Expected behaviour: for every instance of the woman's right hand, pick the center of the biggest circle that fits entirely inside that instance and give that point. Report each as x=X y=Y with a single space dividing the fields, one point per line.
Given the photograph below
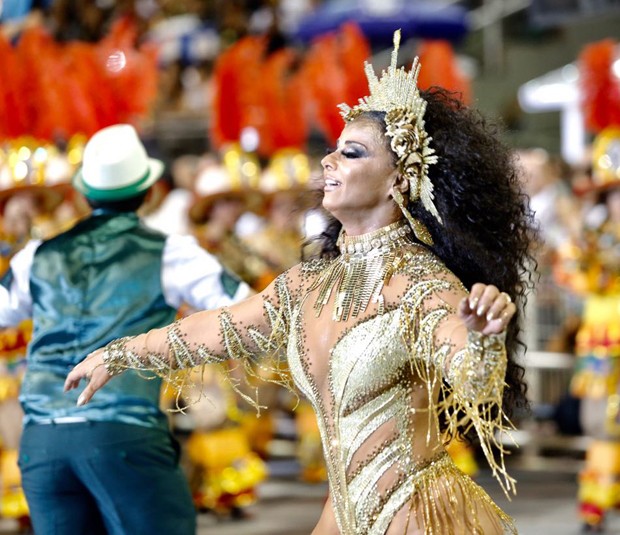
x=486 y=309
x=93 y=370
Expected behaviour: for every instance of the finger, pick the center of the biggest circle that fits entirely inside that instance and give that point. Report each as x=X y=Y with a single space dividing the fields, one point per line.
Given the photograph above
x=96 y=382
x=486 y=300
x=99 y=377
x=464 y=308
x=508 y=313
x=499 y=306
x=506 y=297
x=467 y=314
x=500 y=323
x=86 y=395
x=73 y=379
x=475 y=294
x=81 y=371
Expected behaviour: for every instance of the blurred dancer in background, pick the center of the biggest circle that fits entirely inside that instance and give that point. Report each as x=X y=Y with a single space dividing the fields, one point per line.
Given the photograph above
x=27 y=211
x=222 y=452
x=590 y=266
x=106 y=277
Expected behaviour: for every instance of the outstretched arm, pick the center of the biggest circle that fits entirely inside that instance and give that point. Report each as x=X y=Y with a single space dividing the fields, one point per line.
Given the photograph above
x=242 y=331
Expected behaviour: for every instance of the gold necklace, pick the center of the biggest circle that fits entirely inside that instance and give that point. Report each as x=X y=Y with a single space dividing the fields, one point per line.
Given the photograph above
x=366 y=263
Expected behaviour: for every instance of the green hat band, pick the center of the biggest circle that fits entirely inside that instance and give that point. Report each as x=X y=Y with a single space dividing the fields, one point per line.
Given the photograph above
x=115 y=194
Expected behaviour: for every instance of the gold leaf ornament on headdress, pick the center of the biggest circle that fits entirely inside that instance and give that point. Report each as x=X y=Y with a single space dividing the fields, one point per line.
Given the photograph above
x=396 y=93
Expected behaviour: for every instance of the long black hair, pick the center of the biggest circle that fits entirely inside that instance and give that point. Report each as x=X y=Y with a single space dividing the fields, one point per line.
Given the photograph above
x=487 y=228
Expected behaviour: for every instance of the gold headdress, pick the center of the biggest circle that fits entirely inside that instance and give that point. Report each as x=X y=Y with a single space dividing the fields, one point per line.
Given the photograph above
x=397 y=94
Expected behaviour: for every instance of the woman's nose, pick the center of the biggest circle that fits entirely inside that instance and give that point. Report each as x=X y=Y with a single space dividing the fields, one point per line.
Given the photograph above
x=327 y=161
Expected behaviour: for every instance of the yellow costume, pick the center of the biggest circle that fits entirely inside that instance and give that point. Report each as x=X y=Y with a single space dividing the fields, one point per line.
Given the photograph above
x=597 y=370
x=591 y=266
x=221 y=459
x=224 y=470
x=226 y=463
x=13 y=343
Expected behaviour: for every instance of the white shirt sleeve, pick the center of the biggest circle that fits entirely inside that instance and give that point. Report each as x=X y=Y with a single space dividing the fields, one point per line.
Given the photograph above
x=192 y=275
x=15 y=298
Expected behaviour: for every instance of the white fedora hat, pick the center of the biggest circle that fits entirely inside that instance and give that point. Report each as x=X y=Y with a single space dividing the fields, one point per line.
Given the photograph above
x=115 y=165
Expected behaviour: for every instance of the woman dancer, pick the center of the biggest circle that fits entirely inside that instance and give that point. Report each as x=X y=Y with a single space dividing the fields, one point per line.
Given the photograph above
x=398 y=334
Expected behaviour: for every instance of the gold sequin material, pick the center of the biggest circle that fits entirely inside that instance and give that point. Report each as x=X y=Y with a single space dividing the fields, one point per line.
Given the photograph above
x=357 y=276
x=374 y=378
x=116 y=357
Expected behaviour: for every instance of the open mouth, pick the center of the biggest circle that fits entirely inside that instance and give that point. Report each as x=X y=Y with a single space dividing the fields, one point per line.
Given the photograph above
x=331 y=184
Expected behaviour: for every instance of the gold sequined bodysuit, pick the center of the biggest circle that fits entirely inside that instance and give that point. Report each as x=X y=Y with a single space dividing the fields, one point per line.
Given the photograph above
x=373 y=341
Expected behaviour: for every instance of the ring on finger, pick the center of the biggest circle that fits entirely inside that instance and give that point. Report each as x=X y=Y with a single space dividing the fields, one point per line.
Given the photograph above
x=507 y=297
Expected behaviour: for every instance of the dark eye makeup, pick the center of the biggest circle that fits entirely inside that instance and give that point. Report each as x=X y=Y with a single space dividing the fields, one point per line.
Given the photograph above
x=352 y=153
x=347 y=151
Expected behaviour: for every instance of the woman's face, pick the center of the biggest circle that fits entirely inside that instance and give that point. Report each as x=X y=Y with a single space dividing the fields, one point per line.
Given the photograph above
x=20 y=212
x=360 y=173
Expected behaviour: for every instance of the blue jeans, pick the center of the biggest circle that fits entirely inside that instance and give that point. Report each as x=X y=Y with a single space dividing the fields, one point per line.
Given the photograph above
x=104 y=478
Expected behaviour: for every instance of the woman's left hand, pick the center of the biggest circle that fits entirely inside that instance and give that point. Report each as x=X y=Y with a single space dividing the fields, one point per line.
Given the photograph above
x=486 y=309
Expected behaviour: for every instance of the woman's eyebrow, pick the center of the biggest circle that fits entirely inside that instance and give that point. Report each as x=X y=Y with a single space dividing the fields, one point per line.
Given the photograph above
x=353 y=142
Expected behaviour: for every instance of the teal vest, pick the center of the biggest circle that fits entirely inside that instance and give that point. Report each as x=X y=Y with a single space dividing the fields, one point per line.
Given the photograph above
x=99 y=281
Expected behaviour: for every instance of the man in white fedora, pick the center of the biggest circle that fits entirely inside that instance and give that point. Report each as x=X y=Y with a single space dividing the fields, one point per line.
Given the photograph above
x=110 y=466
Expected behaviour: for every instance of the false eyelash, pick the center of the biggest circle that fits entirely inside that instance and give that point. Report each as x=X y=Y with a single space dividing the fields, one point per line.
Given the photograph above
x=329 y=150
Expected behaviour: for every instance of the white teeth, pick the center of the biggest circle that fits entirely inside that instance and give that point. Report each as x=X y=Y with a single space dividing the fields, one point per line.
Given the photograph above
x=330 y=182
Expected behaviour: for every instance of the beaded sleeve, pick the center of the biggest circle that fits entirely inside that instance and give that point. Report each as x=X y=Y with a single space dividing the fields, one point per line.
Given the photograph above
x=469 y=373
x=246 y=348
x=476 y=375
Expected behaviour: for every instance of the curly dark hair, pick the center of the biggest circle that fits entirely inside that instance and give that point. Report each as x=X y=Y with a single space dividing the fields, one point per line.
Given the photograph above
x=487 y=228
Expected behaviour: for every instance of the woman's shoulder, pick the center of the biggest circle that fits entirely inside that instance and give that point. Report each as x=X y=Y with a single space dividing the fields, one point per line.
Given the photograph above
x=305 y=268
x=300 y=275
x=424 y=269
x=420 y=262
x=313 y=266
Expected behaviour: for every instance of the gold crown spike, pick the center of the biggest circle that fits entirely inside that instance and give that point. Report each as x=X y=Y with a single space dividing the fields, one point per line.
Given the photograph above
x=396 y=93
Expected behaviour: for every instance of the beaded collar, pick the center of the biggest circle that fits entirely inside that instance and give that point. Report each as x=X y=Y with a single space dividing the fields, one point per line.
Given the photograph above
x=358 y=275
x=381 y=239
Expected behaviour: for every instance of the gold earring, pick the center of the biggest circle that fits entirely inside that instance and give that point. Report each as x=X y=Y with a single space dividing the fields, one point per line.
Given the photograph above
x=419 y=229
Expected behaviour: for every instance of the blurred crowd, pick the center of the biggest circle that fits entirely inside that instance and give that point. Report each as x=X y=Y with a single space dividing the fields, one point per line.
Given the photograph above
x=257 y=210
x=575 y=308
x=189 y=35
